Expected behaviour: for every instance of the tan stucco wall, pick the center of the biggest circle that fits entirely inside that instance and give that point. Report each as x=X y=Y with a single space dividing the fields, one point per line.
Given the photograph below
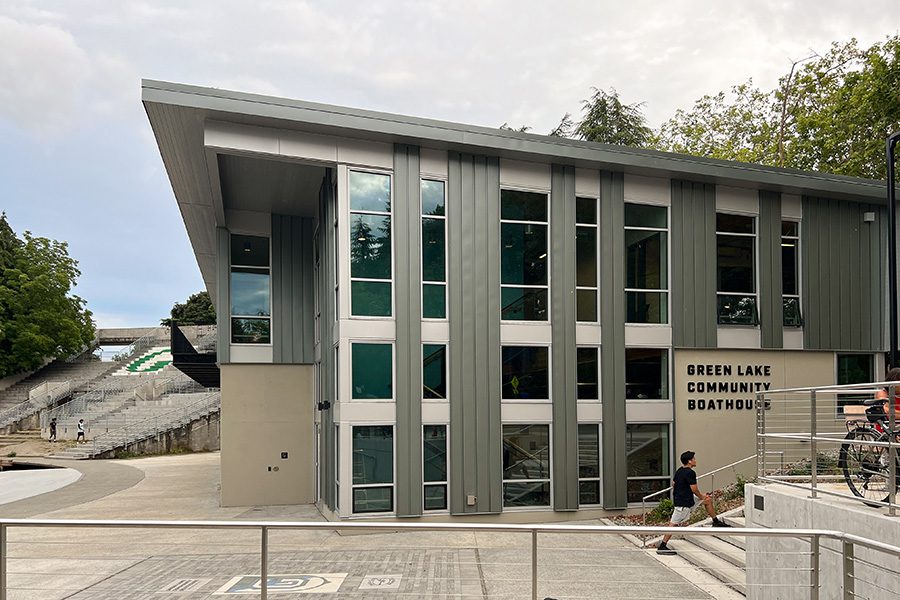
x=724 y=435
x=267 y=410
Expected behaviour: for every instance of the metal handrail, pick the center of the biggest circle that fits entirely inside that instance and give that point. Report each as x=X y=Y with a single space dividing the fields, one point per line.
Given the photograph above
x=848 y=542
x=35 y=402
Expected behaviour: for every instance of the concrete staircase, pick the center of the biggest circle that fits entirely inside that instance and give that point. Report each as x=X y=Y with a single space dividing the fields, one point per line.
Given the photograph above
x=20 y=437
x=82 y=371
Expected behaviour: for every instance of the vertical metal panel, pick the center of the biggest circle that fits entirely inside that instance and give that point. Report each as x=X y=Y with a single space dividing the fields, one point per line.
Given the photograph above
x=771 y=311
x=843 y=276
x=292 y=292
x=564 y=360
x=612 y=318
x=694 y=264
x=223 y=300
x=473 y=234
x=408 y=300
x=326 y=340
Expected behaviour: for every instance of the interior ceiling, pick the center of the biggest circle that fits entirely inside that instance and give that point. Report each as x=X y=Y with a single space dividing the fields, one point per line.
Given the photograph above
x=279 y=187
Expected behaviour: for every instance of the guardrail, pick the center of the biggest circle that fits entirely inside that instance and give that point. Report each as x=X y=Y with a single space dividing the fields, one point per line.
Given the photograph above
x=39 y=397
x=155 y=337
x=853 y=584
x=822 y=443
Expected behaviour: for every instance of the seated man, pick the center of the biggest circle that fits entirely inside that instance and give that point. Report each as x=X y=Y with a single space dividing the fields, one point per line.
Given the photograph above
x=687 y=496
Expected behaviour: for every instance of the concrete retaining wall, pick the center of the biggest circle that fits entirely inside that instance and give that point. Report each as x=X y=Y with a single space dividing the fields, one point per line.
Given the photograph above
x=779 y=567
x=198 y=436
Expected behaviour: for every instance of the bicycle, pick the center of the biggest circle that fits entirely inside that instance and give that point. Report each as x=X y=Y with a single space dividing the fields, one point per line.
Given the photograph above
x=866 y=466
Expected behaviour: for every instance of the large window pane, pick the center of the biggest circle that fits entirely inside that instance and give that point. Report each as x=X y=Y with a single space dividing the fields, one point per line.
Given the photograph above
x=434 y=454
x=586 y=210
x=249 y=251
x=588 y=375
x=370 y=246
x=434 y=301
x=373 y=454
x=789 y=269
x=646 y=455
x=646 y=307
x=249 y=292
x=373 y=371
x=370 y=191
x=526 y=493
x=525 y=373
x=645 y=215
x=434 y=371
x=523 y=206
x=250 y=331
x=646 y=373
x=586 y=306
x=640 y=488
x=588 y=451
x=433 y=264
x=734 y=264
x=523 y=304
x=526 y=458
x=523 y=255
x=586 y=256
x=370 y=298
x=645 y=259
x=432 y=197
x=737 y=310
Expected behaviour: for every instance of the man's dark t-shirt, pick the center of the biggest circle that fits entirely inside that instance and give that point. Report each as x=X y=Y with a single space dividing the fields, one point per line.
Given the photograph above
x=684 y=479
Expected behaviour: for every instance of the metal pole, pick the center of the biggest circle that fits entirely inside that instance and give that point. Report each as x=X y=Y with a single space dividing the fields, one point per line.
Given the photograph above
x=847 y=569
x=263 y=564
x=892 y=452
x=2 y=562
x=891 y=144
x=813 y=446
x=814 y=568
x=762 y=428
x=534 y=563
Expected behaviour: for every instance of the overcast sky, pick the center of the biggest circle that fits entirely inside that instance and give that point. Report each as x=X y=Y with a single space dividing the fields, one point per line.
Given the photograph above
x=78 y=161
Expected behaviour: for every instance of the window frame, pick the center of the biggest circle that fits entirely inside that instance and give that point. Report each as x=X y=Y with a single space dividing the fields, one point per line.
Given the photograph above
x=549 y=349
x=668 y=464
x=596 y=227
x=446 y=482
x=599 y=477
x=422 y=281
x=352 y=211
x=668 y=373
x=548 y=479
x=667 y=265
x=392 y=485
x=446 y=346
x=597 y=349
x=547 y=257
x=797 y=273
x=268 y=271
x=373 y=342
x=755 y=253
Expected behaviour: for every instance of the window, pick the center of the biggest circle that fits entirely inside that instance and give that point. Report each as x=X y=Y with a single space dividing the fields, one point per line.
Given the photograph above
x=647 y=459
x=372 y=371
x=790 y=273
x=251 y=312
x=525 y=372
x=526 y=465
x=434 y=371
x=646 y=373
x=854 y=368
x=736 y=269
x=373 y=468
x=523 y=256
x=646 y=263
x=588 y=464
x=586 y=259
x=434 y=467
x=370 y=245
x=588 y=385
x=434 y=250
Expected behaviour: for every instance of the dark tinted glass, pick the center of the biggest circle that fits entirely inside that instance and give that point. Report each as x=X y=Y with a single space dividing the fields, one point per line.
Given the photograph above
x=526 y=494
x=639 y=488
x=249 y=292
x=434 y=453
x=646 y=307
x=250 y=331
x=370 y=246
x=647 y=450
x=433 y=264
x=523 y=304
x=645 y=215
x=249 y=251
x=734 y=223
x=854 y=368
x=737 y=310
x=523 y=206
x=645 y=259
x=791 y=228
x=526 y=452
x=586 y=210
x=588 y=451
x=789 y=267
x=792 y=316
x=734 y=264
x=523 y=254
x=434 y=371
x=524 y=373
x=435 y=497
x=373 y=454
x=588 y=377
x=373 y=499
x=370 y=191
x=434 y=302
x=586 y=256
x=586 y=306
x=373 y=372
x=432 y=197
x=370 y=298
x=646 y=373
x=588 y=492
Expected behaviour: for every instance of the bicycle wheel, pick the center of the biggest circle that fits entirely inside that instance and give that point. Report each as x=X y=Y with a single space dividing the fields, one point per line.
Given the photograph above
x=864 y=466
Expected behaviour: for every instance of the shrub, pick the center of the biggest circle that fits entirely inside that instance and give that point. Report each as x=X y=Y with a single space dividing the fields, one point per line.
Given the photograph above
x=662 y=512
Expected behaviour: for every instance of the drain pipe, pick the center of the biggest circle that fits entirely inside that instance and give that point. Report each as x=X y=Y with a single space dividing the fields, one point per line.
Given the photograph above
x=891 y=145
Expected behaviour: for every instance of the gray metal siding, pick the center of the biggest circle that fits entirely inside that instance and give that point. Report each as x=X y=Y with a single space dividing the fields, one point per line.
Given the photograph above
x=473 y=209
x=326 y=340
x=843 y=269
x=408 y=298
x=771 y=312
x=293 y=305
x=693 y=265
x=223 y=300
x=612 y=353
x=564 y=359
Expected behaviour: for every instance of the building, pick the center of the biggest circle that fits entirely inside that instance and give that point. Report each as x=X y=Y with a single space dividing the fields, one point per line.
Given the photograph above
x=426 y=318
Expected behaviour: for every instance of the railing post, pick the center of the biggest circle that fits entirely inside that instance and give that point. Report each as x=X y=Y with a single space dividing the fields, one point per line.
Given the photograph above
x=814 y=568
x=847 y=569
x=3 y=562
x=892 y=453
x=534 y=565
x=263 y=564
x=813 y=445
x=761 y=431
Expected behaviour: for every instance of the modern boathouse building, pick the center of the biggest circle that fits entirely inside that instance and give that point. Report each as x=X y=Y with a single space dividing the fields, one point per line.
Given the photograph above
x=422 y=318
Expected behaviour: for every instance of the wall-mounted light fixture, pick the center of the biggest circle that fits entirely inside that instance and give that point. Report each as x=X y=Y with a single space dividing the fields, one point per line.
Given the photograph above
x=869 y=217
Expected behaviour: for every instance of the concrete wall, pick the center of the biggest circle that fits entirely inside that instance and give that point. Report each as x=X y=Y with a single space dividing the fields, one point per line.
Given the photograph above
x=268 y=410
x=201 y=435
x=782 y=564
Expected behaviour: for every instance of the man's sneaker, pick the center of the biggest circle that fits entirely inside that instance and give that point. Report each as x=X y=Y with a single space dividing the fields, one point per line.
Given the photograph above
x=663 y=549
x=718 y=523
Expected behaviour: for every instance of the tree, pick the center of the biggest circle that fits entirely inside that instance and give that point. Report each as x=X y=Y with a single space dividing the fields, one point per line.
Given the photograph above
x=609 y=121
x=197 y=310
x=39 y=319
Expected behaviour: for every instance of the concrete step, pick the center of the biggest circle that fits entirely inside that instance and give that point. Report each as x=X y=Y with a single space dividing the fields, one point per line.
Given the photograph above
x=721 y=547
x=710 y=562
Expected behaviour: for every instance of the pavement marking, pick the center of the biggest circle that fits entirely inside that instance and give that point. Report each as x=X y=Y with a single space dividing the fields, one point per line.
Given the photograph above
x=381 y=582
x=318 y=583
x=184 y=586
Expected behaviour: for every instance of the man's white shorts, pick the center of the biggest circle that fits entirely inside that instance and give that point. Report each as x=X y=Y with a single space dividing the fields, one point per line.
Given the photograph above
x=681 y=513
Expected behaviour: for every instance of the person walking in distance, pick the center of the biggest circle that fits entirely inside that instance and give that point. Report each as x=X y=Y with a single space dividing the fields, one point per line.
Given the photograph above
x=52 y=430
x=687 y=496
x=80 y=436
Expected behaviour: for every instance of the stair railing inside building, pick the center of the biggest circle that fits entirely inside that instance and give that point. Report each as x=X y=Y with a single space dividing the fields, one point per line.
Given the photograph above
x=838 y=440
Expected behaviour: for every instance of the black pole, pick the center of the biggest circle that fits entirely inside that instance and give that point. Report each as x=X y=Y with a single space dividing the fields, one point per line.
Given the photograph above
x=892 y=247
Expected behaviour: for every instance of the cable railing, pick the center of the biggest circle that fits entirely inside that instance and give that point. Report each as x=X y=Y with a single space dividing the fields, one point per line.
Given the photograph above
x=865 y=567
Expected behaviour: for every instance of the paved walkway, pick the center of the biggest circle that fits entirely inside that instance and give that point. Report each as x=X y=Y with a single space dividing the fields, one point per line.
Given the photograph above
x=130 y=564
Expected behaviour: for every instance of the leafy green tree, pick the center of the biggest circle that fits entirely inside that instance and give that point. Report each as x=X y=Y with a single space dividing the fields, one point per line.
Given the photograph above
x=39 y=318
x=197 y=310
x=609 y=121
